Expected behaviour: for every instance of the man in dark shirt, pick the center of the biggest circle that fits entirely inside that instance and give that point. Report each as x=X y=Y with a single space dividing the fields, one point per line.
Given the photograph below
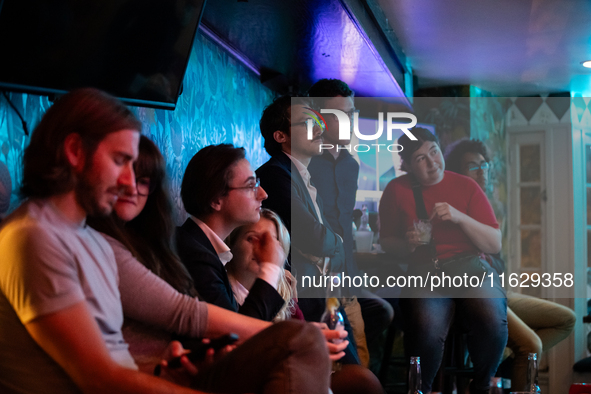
x=335 y=173
x=315 y=248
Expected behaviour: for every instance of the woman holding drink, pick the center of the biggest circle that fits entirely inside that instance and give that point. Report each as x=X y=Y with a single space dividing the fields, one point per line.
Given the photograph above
x=463 y=226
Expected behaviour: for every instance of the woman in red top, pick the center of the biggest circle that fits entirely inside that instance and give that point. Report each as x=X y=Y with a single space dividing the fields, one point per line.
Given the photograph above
x=463 y=223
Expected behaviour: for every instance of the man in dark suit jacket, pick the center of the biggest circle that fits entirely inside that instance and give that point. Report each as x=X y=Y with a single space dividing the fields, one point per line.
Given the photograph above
x=315 y=248
x=335 y=173
x=220 y=192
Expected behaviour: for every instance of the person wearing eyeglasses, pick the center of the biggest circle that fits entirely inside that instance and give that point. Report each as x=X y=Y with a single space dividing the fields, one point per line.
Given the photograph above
x=315 y=248
x=220 y=192
x=140 y=231
x=142 y=220
x=470 y=158
x=534 y=324
x=335 y=174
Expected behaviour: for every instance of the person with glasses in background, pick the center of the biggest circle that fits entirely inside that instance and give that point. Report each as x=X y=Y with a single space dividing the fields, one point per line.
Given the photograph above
x=316 y=249
x=221 y=192
x=335 y=174
x=534 y=325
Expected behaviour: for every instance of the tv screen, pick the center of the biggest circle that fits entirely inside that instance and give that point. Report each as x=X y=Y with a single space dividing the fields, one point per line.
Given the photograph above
x=137 y=50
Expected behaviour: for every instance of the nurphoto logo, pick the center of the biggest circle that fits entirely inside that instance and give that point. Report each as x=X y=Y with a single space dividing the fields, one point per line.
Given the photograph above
x=345 y=127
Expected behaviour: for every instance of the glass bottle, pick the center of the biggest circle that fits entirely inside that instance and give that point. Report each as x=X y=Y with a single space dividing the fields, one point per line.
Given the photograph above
x=334 y=320
x=414 y=376
x=364 y=225
x=332 y=317
x=532 y=374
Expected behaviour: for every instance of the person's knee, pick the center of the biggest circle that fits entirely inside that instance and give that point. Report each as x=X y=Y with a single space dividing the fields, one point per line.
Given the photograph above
x=353 y=379
x=303 y=336
x=529 y=344
x=568 y=321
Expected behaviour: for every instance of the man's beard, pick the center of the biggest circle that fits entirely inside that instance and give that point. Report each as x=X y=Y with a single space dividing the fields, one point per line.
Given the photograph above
x=88 y=194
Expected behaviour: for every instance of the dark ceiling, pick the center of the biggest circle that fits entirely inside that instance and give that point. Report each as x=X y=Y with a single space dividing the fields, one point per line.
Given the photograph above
x=292 y=44
x=507 y=47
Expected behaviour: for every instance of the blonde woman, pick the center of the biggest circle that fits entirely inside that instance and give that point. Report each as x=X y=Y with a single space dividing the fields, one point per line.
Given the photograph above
x=242 y=272
x=243 y=269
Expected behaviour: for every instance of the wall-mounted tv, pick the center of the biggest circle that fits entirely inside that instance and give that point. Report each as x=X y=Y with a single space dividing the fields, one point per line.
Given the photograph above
x=137 y=50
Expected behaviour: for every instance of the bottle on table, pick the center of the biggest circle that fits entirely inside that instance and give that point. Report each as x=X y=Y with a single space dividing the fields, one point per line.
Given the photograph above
x=334 y=320
x=414 y=376
x=364 y=235
x=532 y=374
x=364 y=225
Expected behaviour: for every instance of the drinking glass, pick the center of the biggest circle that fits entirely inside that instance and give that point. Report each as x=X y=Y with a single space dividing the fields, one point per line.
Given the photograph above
x=424 y=228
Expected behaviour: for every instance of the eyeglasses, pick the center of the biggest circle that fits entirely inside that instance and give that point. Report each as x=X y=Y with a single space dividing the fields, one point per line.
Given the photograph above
x=350 y=114
x=305 y=123
x=483 y=166
x=144 y=186
x=254 y=188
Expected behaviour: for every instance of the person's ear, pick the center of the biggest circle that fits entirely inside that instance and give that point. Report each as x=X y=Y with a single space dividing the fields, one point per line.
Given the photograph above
x=74 y=151
x=280 y=136
x=216 y=204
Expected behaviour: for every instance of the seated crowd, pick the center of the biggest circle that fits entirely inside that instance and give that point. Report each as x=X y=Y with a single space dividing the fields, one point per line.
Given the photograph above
x=99 y=291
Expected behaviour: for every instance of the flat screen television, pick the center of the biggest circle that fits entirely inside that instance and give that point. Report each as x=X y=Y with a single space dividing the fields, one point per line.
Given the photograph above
x=137 y=50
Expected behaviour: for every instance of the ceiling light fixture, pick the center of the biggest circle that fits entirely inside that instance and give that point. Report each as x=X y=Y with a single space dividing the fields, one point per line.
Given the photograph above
x=586 y=63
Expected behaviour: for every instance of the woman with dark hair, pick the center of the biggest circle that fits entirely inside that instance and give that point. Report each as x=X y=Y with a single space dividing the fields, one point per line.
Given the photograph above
x=140 y=229
x=463 y=226
x=142 y=221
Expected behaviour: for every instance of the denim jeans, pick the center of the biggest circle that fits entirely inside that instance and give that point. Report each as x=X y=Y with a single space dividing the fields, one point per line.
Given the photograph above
x=427 y=322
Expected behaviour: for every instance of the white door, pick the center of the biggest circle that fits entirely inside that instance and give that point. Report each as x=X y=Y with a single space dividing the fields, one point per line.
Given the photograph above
x=527 y=218
x=546 y=231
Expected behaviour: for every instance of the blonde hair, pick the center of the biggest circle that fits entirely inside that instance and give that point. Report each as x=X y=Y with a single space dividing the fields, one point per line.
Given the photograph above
x=284 y=288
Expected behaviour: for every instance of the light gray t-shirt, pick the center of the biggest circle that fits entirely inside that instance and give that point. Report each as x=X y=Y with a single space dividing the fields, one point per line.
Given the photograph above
x=47 y=264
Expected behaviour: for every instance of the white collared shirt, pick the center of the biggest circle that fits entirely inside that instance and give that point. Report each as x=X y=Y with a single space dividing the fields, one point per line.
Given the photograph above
x=269 y=272
x=240 y=292
x=303 y=170
x=222 y=250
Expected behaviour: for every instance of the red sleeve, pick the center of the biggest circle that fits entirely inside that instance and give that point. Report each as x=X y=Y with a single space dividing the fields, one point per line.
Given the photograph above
x=391 y=216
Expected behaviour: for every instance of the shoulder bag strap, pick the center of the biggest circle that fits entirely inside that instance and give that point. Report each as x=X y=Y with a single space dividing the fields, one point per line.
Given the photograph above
x=422 y=214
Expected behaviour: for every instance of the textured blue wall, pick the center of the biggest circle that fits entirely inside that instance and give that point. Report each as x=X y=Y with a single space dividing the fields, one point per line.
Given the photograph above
x=222 y=102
